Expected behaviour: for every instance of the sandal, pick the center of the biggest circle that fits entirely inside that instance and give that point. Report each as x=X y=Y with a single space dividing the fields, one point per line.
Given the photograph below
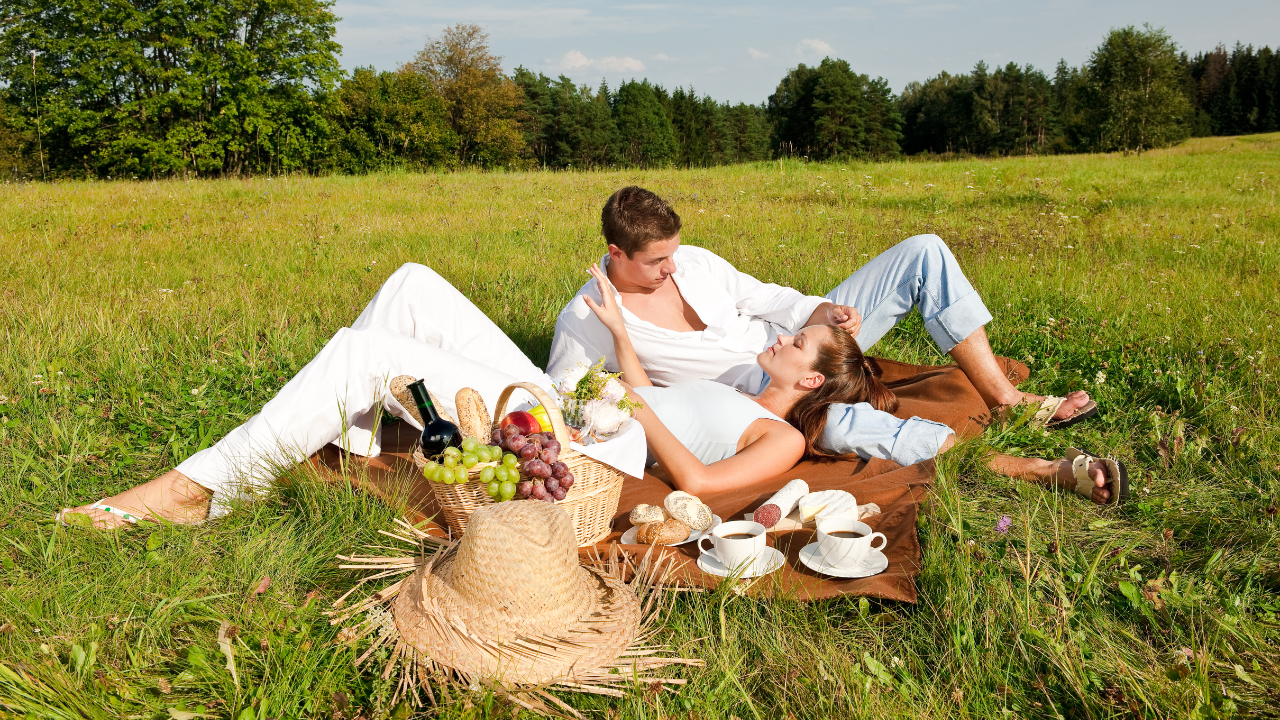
x=1117 y=474
x=1050 y=405
x=122 y=514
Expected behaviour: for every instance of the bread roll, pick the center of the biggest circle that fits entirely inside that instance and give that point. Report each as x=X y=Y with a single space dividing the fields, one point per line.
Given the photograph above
x=666 y=532
x=643 y=514
x=688 y=509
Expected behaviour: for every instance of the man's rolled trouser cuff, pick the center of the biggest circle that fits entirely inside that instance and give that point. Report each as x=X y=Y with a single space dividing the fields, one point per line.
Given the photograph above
x=957 y=321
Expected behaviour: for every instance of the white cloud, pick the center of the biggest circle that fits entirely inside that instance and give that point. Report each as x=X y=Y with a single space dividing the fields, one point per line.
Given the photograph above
x=662 y=56
x=574 y=60
x=756 y=54
x=817 y=47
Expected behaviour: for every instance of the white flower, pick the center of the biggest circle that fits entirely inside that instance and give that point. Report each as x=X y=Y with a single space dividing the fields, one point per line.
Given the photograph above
x=1100 y=378
x=606 y=418
x=570 y=381
x=613 y=391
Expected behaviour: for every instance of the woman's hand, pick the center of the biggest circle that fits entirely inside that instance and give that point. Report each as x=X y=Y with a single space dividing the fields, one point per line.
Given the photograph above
x=610 y=313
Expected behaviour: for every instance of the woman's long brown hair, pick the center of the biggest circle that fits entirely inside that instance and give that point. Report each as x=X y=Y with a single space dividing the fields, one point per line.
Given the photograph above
x=848 y=378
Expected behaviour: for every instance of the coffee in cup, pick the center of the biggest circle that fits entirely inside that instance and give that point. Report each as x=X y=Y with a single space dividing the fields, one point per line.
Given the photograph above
x=735 y=544
x=845 y=542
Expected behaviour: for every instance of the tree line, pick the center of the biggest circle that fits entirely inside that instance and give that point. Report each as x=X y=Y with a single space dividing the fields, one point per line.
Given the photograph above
x=1136 y=91
x=163 y=88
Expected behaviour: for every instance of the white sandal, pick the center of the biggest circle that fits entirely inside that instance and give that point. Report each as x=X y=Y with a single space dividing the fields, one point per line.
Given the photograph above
x=1117 y=475
x=122 y=514
x=1049 y=406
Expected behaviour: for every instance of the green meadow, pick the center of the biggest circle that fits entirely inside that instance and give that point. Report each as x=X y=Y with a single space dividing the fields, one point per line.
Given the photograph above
x=140 y=321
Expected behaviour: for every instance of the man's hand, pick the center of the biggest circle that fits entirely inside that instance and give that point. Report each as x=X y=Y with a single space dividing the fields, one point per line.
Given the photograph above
x=842 y=316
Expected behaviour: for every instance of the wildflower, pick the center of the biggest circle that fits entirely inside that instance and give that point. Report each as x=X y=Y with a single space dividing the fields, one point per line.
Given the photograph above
x=571 y=379
x=1100 y=378
x=613 y=391
x=1003 y=524
x=4 y=399
x=607 y=418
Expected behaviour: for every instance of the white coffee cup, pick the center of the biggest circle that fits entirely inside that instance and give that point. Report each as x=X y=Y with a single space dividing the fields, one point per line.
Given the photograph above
x=735 y=553
x=846 y=551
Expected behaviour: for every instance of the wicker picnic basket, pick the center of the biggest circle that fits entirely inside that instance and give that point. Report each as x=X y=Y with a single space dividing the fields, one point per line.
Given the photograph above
x=591 y=503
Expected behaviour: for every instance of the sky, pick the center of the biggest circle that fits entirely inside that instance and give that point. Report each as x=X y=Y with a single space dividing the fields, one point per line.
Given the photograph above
x=738 y=51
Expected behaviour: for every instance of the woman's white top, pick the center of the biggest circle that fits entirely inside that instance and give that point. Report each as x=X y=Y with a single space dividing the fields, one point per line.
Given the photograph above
x=706 y=417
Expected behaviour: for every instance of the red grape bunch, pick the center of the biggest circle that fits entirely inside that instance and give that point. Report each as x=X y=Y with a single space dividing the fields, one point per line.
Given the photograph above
x=543 y=476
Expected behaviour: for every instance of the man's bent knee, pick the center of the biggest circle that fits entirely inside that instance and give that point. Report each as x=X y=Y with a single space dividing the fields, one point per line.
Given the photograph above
x=921 y=244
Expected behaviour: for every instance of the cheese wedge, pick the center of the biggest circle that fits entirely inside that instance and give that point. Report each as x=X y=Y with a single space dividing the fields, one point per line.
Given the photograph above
x=815 y=502
x=839 y=508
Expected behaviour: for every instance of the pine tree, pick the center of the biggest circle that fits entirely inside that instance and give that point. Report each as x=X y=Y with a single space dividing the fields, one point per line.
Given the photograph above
x=791 y=112
x=536 y=116
x=830 y=111
x=644 y=134
x=747 y=133
x=700 y=128
x=594 y=147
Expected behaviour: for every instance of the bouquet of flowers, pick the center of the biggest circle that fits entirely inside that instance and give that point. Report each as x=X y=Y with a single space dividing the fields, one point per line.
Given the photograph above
x=594 y=401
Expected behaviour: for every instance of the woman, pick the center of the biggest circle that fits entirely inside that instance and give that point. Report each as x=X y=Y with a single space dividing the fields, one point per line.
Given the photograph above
x=708 y=437
x=420 y=325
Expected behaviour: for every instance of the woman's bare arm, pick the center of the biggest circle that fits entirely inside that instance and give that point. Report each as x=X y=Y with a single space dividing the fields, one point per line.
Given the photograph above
x=611 y=315
x=772 y=452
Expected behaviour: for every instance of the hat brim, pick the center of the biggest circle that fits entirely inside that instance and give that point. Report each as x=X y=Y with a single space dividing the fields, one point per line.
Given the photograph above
x=514 y=650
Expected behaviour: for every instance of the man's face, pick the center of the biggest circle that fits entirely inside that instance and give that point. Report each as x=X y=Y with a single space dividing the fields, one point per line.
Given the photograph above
x=648 y=268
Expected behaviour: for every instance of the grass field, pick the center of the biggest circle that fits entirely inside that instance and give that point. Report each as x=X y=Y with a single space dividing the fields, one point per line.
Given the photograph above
x=141 y=321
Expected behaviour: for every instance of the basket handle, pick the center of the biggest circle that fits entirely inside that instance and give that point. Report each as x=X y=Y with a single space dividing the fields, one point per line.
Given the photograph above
x=553 y=410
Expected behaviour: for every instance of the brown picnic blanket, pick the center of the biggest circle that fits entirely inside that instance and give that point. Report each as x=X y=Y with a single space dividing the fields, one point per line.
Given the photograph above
x=940 y=393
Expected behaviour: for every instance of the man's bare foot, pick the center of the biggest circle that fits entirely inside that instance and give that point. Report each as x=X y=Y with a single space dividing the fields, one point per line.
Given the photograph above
x=172 y=497
x=1097 y=471
x=1073 y=403
x=1054 y=472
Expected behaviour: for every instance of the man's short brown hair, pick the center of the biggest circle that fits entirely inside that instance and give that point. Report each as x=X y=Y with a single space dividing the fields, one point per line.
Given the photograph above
x=634 y=217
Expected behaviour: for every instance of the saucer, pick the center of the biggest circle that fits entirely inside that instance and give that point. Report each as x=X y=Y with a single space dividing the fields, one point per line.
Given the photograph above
x=629 y=537
x=766 y=562
x=873 y=563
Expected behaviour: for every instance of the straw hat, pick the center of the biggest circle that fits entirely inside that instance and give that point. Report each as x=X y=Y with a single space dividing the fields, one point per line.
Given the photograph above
x=511 y=603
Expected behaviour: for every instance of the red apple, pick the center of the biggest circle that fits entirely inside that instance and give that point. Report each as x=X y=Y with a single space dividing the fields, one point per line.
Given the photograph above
x=527 y=423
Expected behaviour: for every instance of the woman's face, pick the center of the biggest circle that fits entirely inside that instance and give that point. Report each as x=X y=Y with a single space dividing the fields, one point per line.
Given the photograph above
x=790 y=360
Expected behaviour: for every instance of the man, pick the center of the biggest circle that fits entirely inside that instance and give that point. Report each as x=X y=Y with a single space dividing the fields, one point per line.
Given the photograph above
x=692 y=315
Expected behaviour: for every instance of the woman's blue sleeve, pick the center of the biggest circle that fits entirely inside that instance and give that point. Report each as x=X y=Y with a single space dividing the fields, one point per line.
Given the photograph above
x=869 y=433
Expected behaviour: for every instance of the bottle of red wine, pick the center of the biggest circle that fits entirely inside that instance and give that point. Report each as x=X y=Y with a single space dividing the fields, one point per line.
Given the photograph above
x=438 y=433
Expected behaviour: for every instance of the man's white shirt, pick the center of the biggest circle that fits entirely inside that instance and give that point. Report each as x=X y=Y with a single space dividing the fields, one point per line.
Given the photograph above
x=743 y=317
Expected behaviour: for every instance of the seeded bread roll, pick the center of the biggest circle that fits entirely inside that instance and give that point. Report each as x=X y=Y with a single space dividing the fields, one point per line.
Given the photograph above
x=666 y=532
x=643 y=514
x=688 y=509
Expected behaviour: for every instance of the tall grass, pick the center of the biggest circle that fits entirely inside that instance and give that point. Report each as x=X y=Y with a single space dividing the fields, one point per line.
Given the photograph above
x=141 y=321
